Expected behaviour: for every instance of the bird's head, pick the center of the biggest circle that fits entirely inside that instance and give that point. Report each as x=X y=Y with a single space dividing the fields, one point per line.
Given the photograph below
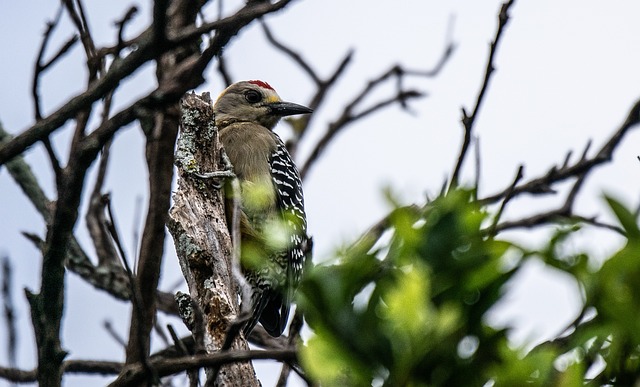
x=253 y=101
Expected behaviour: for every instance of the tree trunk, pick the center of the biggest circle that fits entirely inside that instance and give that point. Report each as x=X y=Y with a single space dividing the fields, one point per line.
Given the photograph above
x=199 y=229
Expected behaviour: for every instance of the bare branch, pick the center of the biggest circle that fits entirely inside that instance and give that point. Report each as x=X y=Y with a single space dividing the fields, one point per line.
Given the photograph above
x=349 y=117
x=97 y=223
x=40 y=67
x=294 y=336
x=193 y=375
x=565 y=211
x=593 y=221
x=69 y=366
x=295 y=56
x=9 y=311
x=300 y=125
x=122 y=23
x=503 y=205
x=79 y=19
x=160 y=128
x=47 y=306
x=146 y=50
x=42 y=128
x=136 y=297
x=180 y=346
x=478 y=173
x=114 y=335
x=542 y=184
x=224 y=71
x=134 y=374
x=111 y=279
x=468 y=120
x=53 y=158
x=23 y=175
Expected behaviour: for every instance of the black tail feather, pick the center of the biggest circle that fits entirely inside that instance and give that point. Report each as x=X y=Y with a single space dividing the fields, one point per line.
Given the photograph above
x=275 y=314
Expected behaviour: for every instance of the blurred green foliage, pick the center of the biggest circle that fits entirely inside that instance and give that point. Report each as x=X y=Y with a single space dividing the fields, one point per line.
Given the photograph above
x=408 y=307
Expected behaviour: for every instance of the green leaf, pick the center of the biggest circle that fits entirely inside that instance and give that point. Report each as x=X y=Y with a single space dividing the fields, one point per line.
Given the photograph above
x=327 y=361
x=573 y=376
x=626 y=218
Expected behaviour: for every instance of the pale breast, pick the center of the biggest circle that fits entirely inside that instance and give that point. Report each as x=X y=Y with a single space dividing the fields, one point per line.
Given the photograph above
x=249 y=147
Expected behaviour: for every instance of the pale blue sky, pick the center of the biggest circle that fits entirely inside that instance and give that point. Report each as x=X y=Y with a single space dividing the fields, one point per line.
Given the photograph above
x=567 y=72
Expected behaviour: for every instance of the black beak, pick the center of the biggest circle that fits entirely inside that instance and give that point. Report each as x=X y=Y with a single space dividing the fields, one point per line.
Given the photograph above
x=283 y=109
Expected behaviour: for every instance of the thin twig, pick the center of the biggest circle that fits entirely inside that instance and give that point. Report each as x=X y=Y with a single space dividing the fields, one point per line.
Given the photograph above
x=468 y=120
x=69 y=367
x=157 y=327
x=113 y=280
x=295 y=56
x=193 y=375
x=301 y=124
x=503 y=205
x=565 y=211
x=78 y=17
x=579 y=170
x=9 y=311
x=135 y=296
x=177 y=341
x=166 y=366
x=60 y=53
x=51 y=25
x=39 y=69
x=53 y=159
x=114 y=335
x=294 y=335
x=122 y=23
x=348 y=116
x=542 y=184
x=146 y=50
x=478 y=173
x=224 y=71
x=97 y=224
x=135 y=238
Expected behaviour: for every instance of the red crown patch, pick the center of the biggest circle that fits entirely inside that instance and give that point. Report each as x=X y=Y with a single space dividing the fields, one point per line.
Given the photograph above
x=262 y=84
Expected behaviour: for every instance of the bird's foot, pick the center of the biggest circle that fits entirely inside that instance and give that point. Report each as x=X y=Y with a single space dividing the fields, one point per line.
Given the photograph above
x=217 y=177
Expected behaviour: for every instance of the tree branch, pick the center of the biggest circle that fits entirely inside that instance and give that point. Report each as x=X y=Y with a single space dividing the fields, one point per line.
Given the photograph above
x=468 y=120
x=542 y=184
x=348 y=116
x=203 y=243
x=160 y=128
x=134 y=374
x=9 y=310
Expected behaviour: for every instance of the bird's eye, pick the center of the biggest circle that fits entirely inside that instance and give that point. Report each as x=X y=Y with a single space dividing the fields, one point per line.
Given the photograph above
x=252 y=96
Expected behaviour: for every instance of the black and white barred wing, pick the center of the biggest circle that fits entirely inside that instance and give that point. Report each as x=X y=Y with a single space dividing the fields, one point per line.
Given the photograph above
x=290 y=201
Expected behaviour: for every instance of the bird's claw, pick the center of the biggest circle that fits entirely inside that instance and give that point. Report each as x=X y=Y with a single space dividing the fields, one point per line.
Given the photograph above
x=217 y=177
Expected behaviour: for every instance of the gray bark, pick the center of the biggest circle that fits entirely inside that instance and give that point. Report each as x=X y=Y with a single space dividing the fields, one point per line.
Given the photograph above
x=198 y=226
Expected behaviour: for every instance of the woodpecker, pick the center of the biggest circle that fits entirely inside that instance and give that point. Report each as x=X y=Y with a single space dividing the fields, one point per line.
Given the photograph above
x=273 y=222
